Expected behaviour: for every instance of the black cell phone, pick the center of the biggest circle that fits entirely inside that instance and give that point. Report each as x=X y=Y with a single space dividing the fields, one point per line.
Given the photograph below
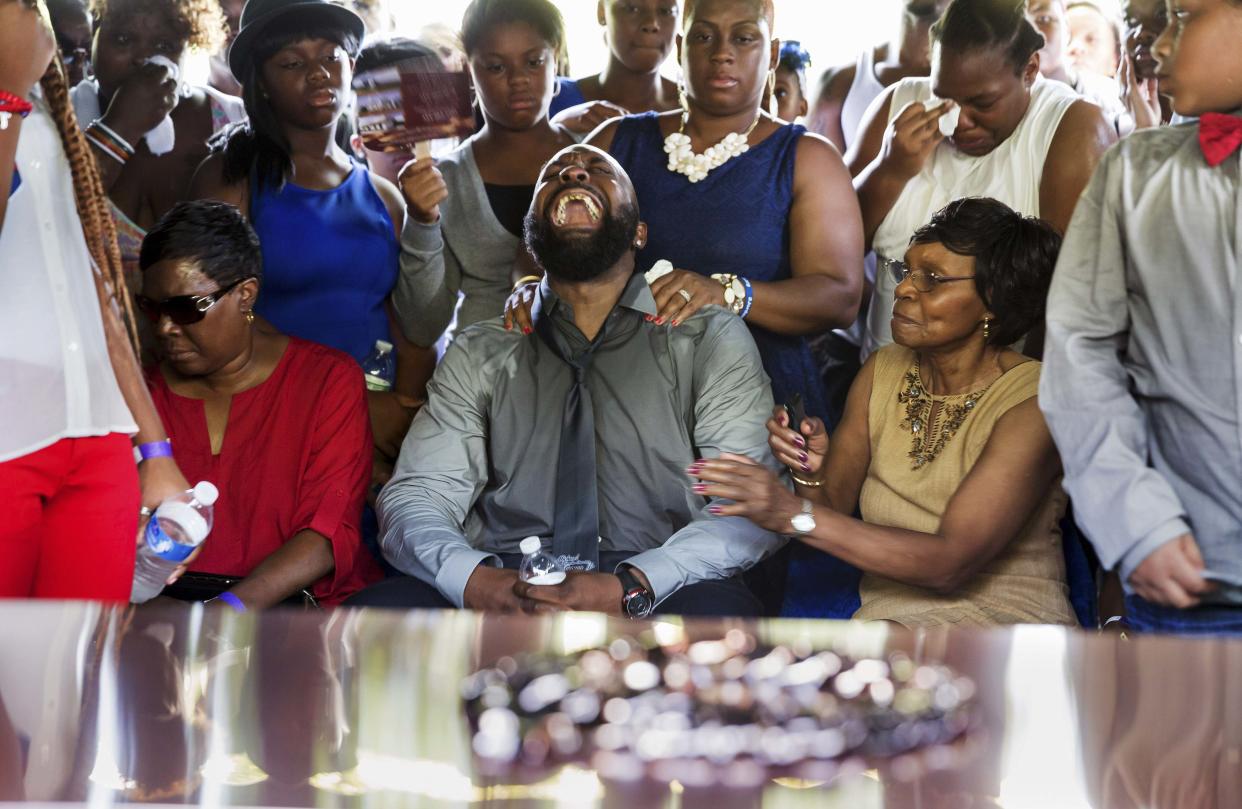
x=796 y=412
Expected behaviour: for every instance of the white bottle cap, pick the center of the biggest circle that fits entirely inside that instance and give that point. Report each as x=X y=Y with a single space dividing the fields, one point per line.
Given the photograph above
x=383 y=345
x=206 y=493
x=530 y=545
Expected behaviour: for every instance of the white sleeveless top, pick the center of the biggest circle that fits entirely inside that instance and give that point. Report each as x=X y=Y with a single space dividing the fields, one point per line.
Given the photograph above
x=1010 y=173
x=865 y=89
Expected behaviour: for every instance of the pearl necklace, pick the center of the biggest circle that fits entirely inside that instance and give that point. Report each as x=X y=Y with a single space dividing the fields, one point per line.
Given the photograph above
x=683 y=160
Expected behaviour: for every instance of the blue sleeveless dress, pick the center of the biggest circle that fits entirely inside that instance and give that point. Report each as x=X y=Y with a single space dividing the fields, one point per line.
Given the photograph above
x=329 y=262
x=737 y=221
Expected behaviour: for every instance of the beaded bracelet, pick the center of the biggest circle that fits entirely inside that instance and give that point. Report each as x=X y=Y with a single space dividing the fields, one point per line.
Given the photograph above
x=11 y=105
x=750 y=297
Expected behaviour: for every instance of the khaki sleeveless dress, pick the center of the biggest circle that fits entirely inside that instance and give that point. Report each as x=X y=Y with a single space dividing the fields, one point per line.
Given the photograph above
x=1026 y=582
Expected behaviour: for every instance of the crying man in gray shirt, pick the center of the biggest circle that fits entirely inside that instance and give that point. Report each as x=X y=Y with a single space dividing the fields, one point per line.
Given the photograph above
x=502 y=449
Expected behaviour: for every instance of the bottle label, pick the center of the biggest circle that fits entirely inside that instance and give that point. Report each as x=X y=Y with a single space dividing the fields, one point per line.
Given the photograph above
x=377 y=383
x=164 y=546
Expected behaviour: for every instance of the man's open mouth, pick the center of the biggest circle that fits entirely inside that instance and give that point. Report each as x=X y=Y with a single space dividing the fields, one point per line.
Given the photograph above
x=571 y=206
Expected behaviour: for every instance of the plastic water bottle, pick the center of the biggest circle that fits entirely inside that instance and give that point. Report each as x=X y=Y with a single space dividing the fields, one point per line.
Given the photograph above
x=381 y=367
x=538 y=567
x=177 y=527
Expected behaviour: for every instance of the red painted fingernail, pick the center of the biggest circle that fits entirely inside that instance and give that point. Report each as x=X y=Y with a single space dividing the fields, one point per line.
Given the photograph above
x=714 y=509
x=526 y=330
x=800 y=441
x=676 y=322
x=700 y=487
x=802 y=457
x=659 y=321
x=806 y=467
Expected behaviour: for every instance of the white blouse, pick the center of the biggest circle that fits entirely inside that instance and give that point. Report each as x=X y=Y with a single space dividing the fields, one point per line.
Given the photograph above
x=56 y=380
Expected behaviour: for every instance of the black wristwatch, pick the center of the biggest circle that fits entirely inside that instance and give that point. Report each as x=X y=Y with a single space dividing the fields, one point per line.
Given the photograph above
x=636 y=600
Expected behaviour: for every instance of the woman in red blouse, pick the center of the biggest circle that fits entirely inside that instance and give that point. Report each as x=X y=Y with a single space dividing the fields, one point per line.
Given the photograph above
x=277 y=423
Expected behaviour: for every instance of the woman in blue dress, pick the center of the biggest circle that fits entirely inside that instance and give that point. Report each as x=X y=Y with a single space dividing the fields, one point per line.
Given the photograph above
x=780 y=215
x=328 y=227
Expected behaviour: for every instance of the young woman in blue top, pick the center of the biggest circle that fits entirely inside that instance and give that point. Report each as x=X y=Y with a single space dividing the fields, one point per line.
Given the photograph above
x=328 y=228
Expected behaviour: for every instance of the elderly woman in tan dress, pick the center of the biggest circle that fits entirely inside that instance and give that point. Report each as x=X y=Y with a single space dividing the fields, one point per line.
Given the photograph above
x=942 y=448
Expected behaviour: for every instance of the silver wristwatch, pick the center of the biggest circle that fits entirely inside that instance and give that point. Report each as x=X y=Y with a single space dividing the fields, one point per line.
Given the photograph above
x=804 y=521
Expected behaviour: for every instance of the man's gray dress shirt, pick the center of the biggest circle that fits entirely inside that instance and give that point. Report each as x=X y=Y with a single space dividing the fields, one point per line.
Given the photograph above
x=477 y=471
x=1142 y=378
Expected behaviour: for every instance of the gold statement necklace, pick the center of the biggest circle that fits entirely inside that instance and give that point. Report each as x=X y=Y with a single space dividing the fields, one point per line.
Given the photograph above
x=931 y=430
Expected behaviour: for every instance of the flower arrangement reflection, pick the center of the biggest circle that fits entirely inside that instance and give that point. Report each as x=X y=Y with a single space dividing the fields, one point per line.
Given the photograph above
x=729 y=704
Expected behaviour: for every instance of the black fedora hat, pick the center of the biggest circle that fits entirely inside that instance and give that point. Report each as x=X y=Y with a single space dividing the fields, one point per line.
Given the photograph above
x=259 y=14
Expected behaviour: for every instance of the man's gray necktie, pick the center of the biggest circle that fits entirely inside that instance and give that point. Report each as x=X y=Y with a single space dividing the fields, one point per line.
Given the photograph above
x=575 y=532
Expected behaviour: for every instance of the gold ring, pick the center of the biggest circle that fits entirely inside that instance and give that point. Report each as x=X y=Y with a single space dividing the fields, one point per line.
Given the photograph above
x=685 y=295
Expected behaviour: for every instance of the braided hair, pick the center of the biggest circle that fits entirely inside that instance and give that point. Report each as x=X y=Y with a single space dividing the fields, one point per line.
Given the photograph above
x=88 y=192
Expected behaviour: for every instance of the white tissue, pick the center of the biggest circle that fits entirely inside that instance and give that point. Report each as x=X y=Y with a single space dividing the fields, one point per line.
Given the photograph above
x=658 y=270
x=948 y=121
x=162 y=139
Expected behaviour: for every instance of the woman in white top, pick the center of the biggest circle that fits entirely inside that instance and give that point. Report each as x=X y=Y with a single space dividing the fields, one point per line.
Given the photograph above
x=71 y=391
x=1019 y=138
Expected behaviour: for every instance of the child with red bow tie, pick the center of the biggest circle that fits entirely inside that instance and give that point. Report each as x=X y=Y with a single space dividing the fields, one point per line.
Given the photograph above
x=1142 y=382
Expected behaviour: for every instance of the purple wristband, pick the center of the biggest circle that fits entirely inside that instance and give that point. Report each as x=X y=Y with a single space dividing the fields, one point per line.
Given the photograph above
x=233 y=601
x=155 y=449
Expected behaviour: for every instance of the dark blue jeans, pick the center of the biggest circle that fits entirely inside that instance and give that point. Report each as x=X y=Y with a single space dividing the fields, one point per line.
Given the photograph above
x=1144 y=616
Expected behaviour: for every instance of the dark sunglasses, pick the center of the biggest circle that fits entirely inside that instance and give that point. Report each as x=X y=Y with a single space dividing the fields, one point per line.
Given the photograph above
x=183 y=309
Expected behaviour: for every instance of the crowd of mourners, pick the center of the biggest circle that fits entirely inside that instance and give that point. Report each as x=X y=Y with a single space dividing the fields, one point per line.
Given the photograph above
x=951 y=336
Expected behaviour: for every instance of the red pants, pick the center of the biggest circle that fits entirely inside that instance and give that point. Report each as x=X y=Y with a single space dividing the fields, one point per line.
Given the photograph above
x=69 y=520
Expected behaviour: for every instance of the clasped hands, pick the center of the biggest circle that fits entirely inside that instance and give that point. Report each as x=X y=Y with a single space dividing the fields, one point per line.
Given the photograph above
x=493 y=589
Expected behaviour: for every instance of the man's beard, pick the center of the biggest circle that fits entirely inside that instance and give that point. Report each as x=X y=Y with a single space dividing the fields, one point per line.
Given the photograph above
x=582 y=258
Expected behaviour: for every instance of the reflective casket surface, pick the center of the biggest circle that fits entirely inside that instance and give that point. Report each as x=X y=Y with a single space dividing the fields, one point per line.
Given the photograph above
x=358 y=708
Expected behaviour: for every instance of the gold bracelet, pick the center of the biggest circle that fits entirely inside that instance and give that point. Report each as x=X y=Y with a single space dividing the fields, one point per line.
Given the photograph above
x=524 y=279
x=802 y=482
